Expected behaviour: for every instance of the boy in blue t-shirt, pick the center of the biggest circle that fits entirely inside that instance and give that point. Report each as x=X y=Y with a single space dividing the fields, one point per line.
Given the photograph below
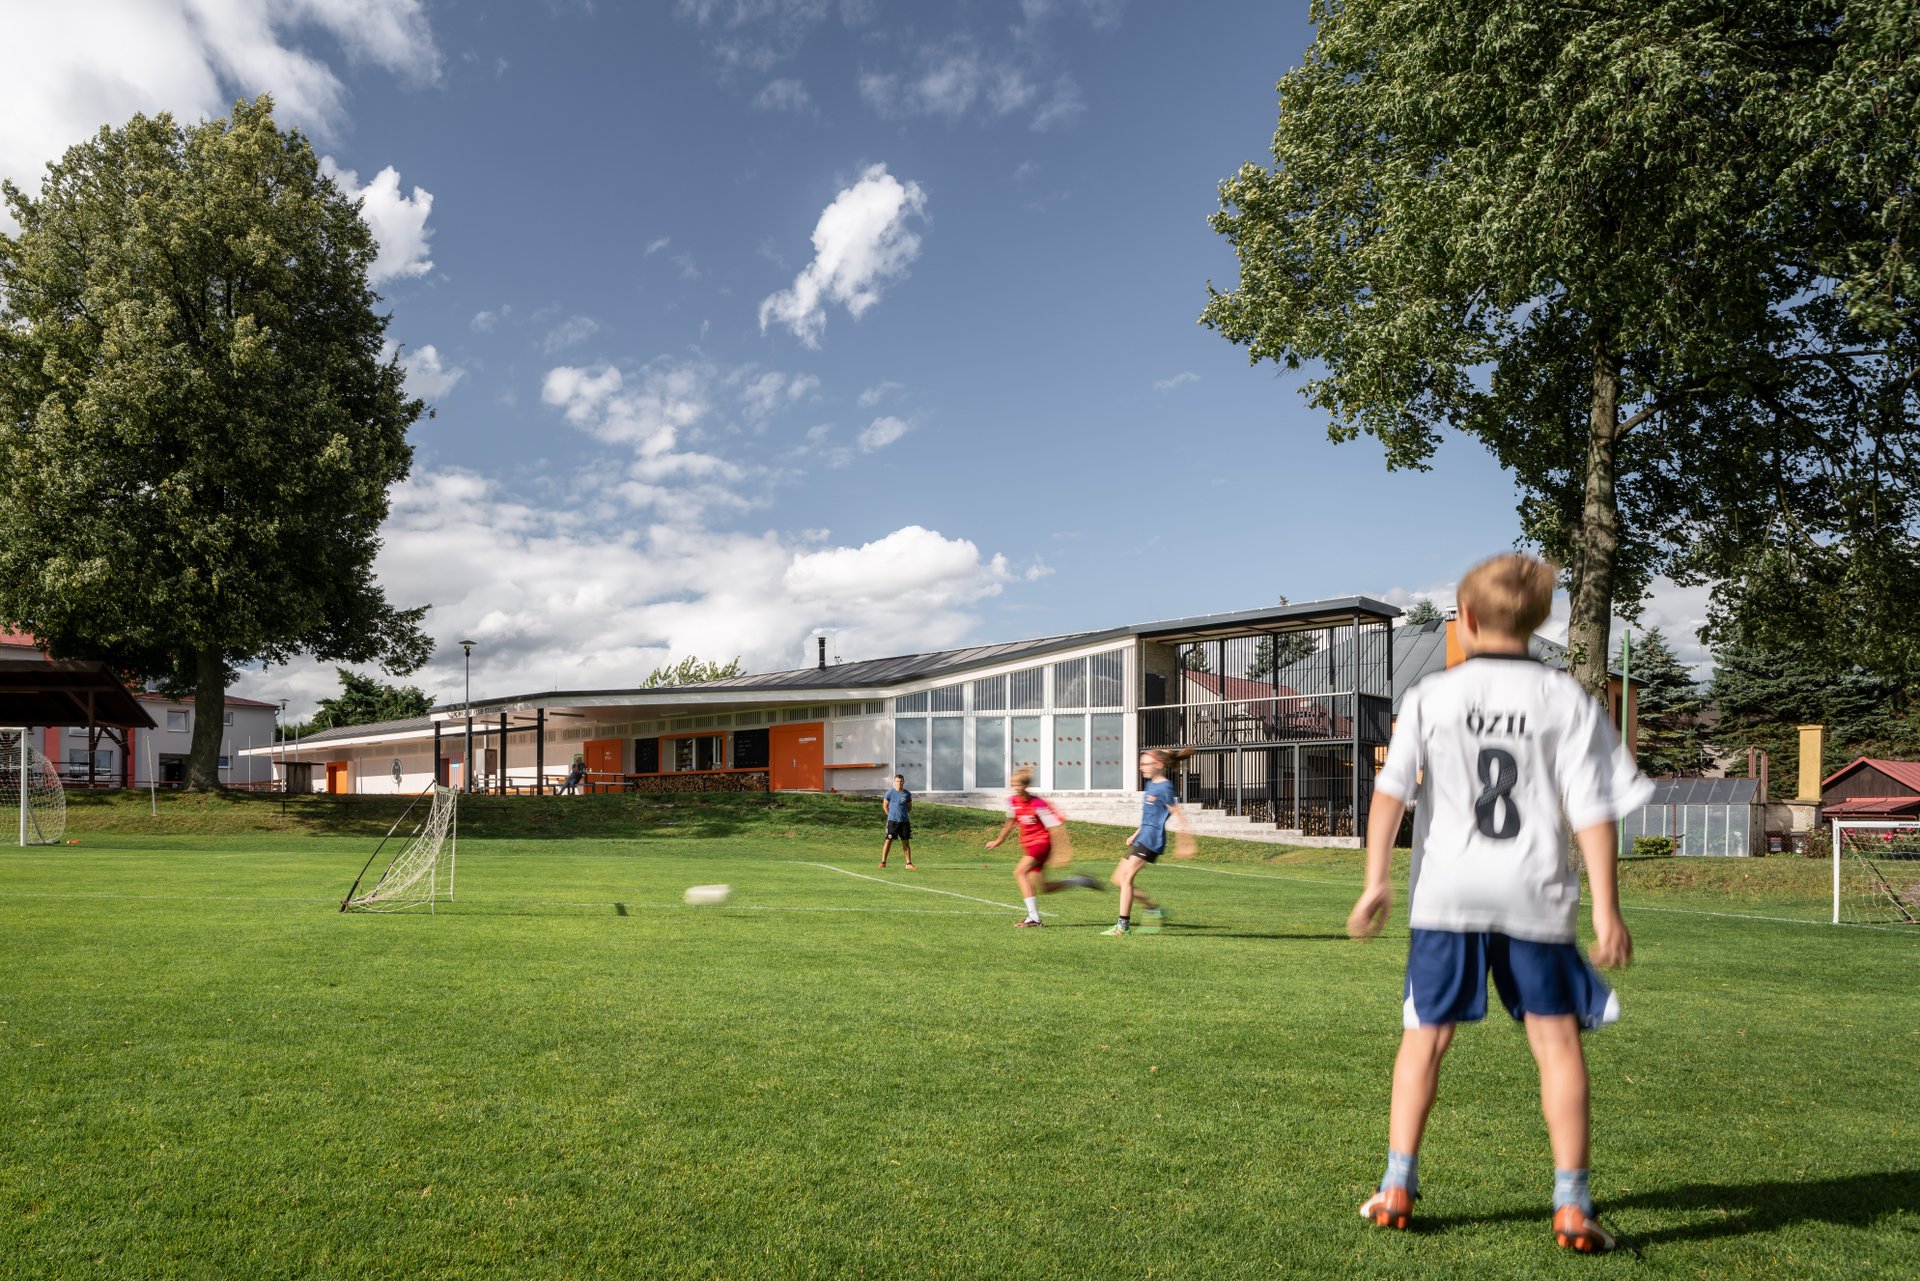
x=898 y=803
x=1158 y=804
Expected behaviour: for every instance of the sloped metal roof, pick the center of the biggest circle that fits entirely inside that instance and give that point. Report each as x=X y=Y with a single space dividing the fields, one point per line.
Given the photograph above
x=1905 y=773
x=1705 y=791
x=871 y=676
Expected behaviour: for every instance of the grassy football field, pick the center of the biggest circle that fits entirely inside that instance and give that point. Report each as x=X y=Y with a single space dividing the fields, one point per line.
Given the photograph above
x=206 y=1070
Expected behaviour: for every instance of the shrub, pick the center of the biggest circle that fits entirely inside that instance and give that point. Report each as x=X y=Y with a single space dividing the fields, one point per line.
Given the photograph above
x=1652 y=846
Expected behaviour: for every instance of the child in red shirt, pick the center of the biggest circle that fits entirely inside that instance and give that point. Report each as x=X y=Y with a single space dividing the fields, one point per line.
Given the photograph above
x=1038 y=821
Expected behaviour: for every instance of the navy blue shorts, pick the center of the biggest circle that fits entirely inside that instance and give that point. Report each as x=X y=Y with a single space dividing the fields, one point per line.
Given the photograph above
x=1447 y=980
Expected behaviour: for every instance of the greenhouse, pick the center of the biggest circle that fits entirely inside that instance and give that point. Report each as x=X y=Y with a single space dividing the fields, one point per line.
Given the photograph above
x=1704 y=816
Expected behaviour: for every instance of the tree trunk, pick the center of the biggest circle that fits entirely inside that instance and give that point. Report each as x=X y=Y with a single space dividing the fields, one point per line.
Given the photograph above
x=1596 y=544
x=209 y=720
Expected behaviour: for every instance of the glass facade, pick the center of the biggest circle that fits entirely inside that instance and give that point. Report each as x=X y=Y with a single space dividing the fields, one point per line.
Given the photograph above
x=910 y=751
x=1106 y=750
x=1027 y=748
x=1066 y=747
x=1069 y=753
x=949 y=754
x=989 y=752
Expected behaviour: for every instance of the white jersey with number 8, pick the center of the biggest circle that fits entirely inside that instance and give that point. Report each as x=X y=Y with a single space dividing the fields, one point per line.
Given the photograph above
x=1507 y=757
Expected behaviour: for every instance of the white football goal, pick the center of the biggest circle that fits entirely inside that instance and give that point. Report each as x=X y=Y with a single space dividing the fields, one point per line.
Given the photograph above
x=33 y=804
x=1876 y=872
x=421 y=874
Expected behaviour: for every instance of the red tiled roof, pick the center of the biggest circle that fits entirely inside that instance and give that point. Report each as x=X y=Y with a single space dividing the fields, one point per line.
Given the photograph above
x=1237 y=688
x=1873 y=807
x=1906 y=773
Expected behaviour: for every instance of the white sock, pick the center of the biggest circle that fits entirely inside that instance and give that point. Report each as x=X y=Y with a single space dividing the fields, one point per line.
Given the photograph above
x=1033 y=908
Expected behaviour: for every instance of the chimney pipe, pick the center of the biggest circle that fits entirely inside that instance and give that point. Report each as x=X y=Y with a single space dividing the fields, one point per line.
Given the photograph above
x=823 y=653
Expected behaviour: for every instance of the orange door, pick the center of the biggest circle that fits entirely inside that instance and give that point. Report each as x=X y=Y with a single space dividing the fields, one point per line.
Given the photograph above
x=336 y=776
x=604 y=773
x=799 y=758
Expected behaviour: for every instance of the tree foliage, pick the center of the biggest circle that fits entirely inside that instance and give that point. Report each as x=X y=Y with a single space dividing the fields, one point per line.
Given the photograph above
x=692 y=671
x=199 y=420
x=1422 y=611
x=362 y=700
x=1670 y=703
x=1657 y=257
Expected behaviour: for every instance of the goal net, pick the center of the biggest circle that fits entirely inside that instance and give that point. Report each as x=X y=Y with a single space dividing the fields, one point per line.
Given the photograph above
x=421 y=874
x=1876 y=873
x=33 y=805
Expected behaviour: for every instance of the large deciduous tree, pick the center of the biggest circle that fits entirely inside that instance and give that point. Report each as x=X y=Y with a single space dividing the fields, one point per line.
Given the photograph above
x=1658 y=257
x=362 y=700
x=199 y=417
x=692 y=670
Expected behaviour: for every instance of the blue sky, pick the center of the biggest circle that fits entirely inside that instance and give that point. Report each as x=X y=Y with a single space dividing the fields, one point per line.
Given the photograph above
x=746 y=318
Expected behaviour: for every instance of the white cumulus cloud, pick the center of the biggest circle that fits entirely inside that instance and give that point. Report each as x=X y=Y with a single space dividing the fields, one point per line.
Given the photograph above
x=79 y=66
x=860 y=243
x=786 y=94
x=558 y=600
x=428 y=376
x=883 y=432
x=398 y=222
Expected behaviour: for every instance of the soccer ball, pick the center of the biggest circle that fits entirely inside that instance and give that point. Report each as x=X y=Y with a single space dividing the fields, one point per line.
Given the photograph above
x=706 y=895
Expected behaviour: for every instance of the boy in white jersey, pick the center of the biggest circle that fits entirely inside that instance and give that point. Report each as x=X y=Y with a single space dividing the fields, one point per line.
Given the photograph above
x=1505 y=756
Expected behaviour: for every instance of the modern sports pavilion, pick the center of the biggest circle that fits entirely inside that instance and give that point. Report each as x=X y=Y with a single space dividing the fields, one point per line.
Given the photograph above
x=1284 y=708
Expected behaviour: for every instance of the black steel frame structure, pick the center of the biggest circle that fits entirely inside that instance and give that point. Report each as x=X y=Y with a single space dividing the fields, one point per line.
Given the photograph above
x=1285 y=718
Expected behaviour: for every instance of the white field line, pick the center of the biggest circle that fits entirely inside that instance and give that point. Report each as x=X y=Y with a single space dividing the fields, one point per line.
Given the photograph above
x=1322 y=881
x=181 y=898
x=780 y=907
x=924 y=889
x=1629 y=907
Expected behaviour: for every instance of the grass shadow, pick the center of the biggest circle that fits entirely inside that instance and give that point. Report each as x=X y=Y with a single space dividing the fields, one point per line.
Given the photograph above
x=1742 y=1209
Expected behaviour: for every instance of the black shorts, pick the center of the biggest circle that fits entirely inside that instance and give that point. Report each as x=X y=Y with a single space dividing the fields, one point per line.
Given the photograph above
x=1138 y=850
x=900 y=831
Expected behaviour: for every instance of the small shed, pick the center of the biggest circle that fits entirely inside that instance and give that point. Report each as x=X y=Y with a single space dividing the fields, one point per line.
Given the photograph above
x=1872 y=788
x=1704 y=816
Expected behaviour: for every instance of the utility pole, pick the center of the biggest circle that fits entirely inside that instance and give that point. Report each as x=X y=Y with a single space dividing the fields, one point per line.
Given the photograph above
x=466 y=764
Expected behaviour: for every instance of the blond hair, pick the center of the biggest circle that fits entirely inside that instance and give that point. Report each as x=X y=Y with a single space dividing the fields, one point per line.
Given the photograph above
x=1021 y=778
x=1509 y=595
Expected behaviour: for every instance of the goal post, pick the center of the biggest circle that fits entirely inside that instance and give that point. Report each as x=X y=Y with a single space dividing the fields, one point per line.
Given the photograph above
x=33 y=804
x=421 y=874
x=1876 y=872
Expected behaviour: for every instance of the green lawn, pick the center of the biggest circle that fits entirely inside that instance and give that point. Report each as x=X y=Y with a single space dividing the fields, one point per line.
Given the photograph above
x=207 y=1071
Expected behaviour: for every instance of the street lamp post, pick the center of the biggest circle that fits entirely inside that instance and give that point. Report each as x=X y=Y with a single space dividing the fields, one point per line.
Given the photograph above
x=466 y=764
x=279 y=732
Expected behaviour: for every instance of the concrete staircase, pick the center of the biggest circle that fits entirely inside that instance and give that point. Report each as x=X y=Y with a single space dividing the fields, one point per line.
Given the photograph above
x=1124 y=811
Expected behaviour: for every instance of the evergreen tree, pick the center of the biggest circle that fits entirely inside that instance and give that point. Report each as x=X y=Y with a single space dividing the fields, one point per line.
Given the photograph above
x=1273 y=654
x=1670 y=741
x=1422 y=611
x=1765 y=691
